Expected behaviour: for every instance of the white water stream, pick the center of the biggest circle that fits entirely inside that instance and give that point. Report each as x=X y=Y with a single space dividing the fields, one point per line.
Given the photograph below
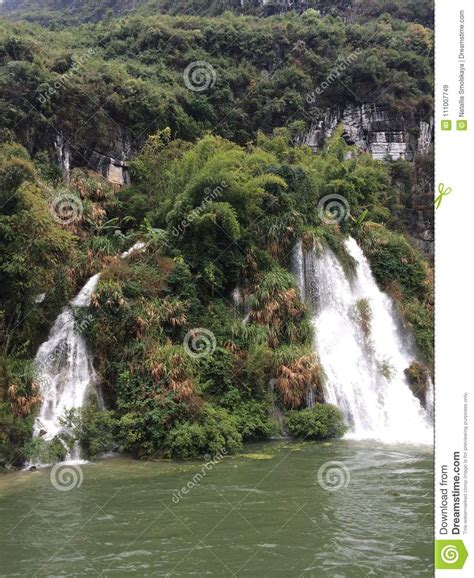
x=64 y=366
x=363 y=370
x=65 y=370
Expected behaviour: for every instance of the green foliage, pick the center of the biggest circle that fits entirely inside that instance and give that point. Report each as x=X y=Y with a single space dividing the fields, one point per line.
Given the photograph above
x=394 y=260
x=364 y=315
x=63 y=12
x=323 y=421
x=215 y=431
x=42 y=451
x=19 y=399
x=215 y=211
x=386 y=369
x=254 y=421
x=15 y=434
x=33 y=250
x=95 y=430
x=140 y=60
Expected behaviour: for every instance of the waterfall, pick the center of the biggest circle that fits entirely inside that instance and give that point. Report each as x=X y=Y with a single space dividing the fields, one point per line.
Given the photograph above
x=363 y=355
x=430 y=398
x=64 y=368
x=64 y=156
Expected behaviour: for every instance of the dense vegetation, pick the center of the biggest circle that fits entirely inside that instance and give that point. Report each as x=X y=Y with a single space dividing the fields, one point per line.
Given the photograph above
x=74 y=12
x=318 y=423
x=124 y=78
x=216 y=212
x=162 y=400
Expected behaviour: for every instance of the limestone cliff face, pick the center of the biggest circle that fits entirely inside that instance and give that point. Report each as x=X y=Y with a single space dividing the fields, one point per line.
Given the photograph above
x=388 y=136
x=382 y=133
x=111 y=161
x=374 y=129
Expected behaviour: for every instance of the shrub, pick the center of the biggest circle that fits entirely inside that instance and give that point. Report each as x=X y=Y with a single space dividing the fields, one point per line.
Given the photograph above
x=254 y=420
x=418 y=377
x=320 y=422
x=296 y=371
x=364 y=315
x=96 y=431
x=45 y=452
x=215 y=431
x=401 y=271
x=393 y=259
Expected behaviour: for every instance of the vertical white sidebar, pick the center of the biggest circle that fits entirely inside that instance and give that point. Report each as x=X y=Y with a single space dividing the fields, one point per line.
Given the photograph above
x=454 y=393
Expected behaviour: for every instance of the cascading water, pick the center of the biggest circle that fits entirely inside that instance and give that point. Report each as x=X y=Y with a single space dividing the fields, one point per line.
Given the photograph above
x=64 y=156
x=363 y=358
x=64 y=366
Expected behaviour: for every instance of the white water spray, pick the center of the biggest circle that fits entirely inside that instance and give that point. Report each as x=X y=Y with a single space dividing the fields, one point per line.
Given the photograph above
x=65 y=370
x=64 y=366
x=364 y=370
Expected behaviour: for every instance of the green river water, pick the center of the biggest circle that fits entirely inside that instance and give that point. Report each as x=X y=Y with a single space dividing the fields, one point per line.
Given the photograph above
x=261 y=513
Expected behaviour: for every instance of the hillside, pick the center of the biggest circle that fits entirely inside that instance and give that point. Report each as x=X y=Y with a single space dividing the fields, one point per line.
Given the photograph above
x=213 y=140
x=73 y=12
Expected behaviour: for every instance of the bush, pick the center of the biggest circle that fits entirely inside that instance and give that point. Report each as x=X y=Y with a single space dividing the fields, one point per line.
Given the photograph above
x=418 y=377
x=320 y=422
x=254 y=420
x=96 y=431
x=215 y=431
x=45 y=452
x=394 y=260
x=15 y=434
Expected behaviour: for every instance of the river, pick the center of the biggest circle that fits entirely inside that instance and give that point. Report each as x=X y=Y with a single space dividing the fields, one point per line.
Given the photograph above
x=276 y=509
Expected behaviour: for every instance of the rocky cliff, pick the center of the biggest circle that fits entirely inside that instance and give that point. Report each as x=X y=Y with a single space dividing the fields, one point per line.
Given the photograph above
x=375 y=129
x=112 y=161
x=389 y=136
